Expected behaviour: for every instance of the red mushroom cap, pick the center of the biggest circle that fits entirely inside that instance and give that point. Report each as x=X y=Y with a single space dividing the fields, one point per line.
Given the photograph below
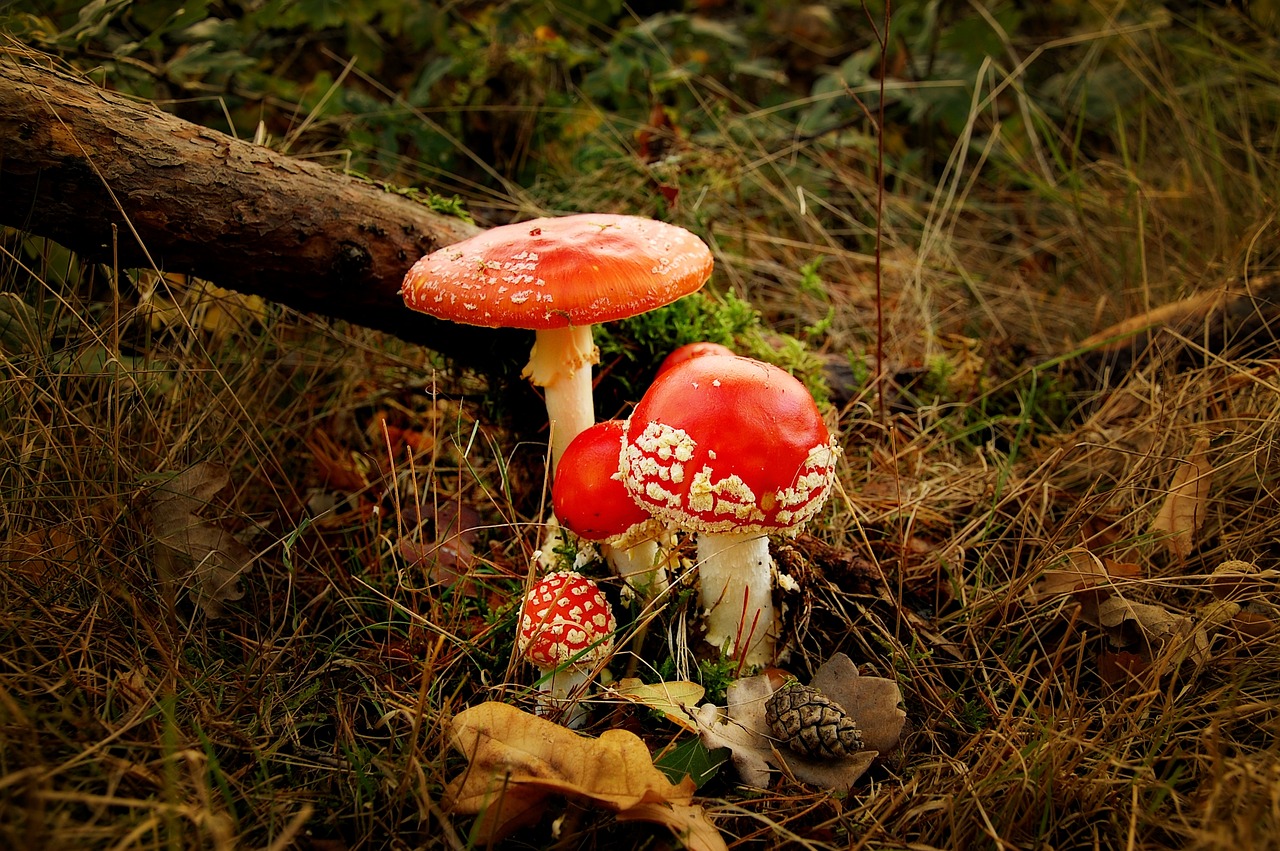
x=729 y=444
x=689 y=351
x=564 y=615
x=588 y=494
x=553 y=273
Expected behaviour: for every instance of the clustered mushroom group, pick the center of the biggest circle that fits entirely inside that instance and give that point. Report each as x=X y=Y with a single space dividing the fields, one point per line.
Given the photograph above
x=721 y=447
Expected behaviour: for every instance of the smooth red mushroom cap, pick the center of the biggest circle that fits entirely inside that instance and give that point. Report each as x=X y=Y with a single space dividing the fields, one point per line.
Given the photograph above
x=726 y=444
x=689 y=351
x=563 y=615
x=588 y=494
x=556 y=272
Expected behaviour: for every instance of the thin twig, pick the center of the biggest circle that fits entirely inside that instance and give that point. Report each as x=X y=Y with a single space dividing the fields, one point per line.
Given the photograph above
x=882 y=38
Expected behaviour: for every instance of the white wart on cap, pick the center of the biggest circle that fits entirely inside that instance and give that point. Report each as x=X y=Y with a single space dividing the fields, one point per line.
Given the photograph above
x=727 y=444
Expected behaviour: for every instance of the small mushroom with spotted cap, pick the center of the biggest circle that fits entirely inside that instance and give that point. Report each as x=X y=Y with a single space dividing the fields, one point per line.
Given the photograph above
x=732 y=449
x=566 y=629
x=560 y=276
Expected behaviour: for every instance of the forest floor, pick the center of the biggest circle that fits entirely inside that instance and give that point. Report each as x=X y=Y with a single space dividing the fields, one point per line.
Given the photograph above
x=254 y=565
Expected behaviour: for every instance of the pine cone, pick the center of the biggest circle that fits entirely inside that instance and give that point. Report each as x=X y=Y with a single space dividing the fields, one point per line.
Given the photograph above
x=810 y=723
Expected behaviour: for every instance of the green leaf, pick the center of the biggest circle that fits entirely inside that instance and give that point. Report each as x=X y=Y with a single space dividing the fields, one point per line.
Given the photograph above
x=691 y=758
x=21 y=328
x=92 y=21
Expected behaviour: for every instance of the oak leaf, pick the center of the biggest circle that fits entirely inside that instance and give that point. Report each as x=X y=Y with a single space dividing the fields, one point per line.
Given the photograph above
x=517 y=760
x=1183 y=510
x=191 y=551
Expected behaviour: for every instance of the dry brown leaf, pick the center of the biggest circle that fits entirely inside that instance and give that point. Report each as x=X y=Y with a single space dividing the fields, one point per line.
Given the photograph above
x=688 y=822
x=1131 y=624
x=1079 y=570
x=1087 y=579
x=516 y=760
x=336 y=467
x=873 y=703
x=1153 y=631
x=1139 y=632
x=1236 y=579
x=1125 y=570
x=192 y=552
x=42 y=553
x=1119 y=667
x=1183 y=510
x=452 y=554
x=740 y=727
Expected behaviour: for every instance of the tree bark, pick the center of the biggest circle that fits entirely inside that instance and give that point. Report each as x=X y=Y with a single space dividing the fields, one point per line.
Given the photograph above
x=117 y=180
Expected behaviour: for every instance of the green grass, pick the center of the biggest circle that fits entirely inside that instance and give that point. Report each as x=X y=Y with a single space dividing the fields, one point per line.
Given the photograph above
x=1095 y=162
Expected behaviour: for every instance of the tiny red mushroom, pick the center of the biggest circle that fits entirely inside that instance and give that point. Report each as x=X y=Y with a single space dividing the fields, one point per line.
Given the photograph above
x=591 y=501
x=559 y=276
x=566 y=629
x=689 y=351
x=733 y=449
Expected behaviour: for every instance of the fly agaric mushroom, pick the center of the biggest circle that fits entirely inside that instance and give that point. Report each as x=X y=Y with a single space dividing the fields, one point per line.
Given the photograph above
x=689 y=351
x=566 y=629
x=559 y=277
x=590 y=501
x=733 y=449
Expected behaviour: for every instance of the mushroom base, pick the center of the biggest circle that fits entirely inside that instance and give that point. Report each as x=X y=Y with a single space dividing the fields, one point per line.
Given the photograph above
x=735 y=573
x=561 y=692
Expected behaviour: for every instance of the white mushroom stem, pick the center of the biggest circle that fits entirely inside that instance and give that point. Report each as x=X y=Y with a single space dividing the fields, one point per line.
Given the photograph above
x=560 y=694
x=638 y=567
x=560 y=364
x=735 y=574
x=640 y=557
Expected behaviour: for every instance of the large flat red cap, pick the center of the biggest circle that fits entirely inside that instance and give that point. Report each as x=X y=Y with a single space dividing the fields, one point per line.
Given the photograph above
x=552 y=273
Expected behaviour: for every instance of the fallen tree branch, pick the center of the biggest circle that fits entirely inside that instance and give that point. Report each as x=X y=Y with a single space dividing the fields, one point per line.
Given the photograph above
x=1236 y=320
x=120 y=181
